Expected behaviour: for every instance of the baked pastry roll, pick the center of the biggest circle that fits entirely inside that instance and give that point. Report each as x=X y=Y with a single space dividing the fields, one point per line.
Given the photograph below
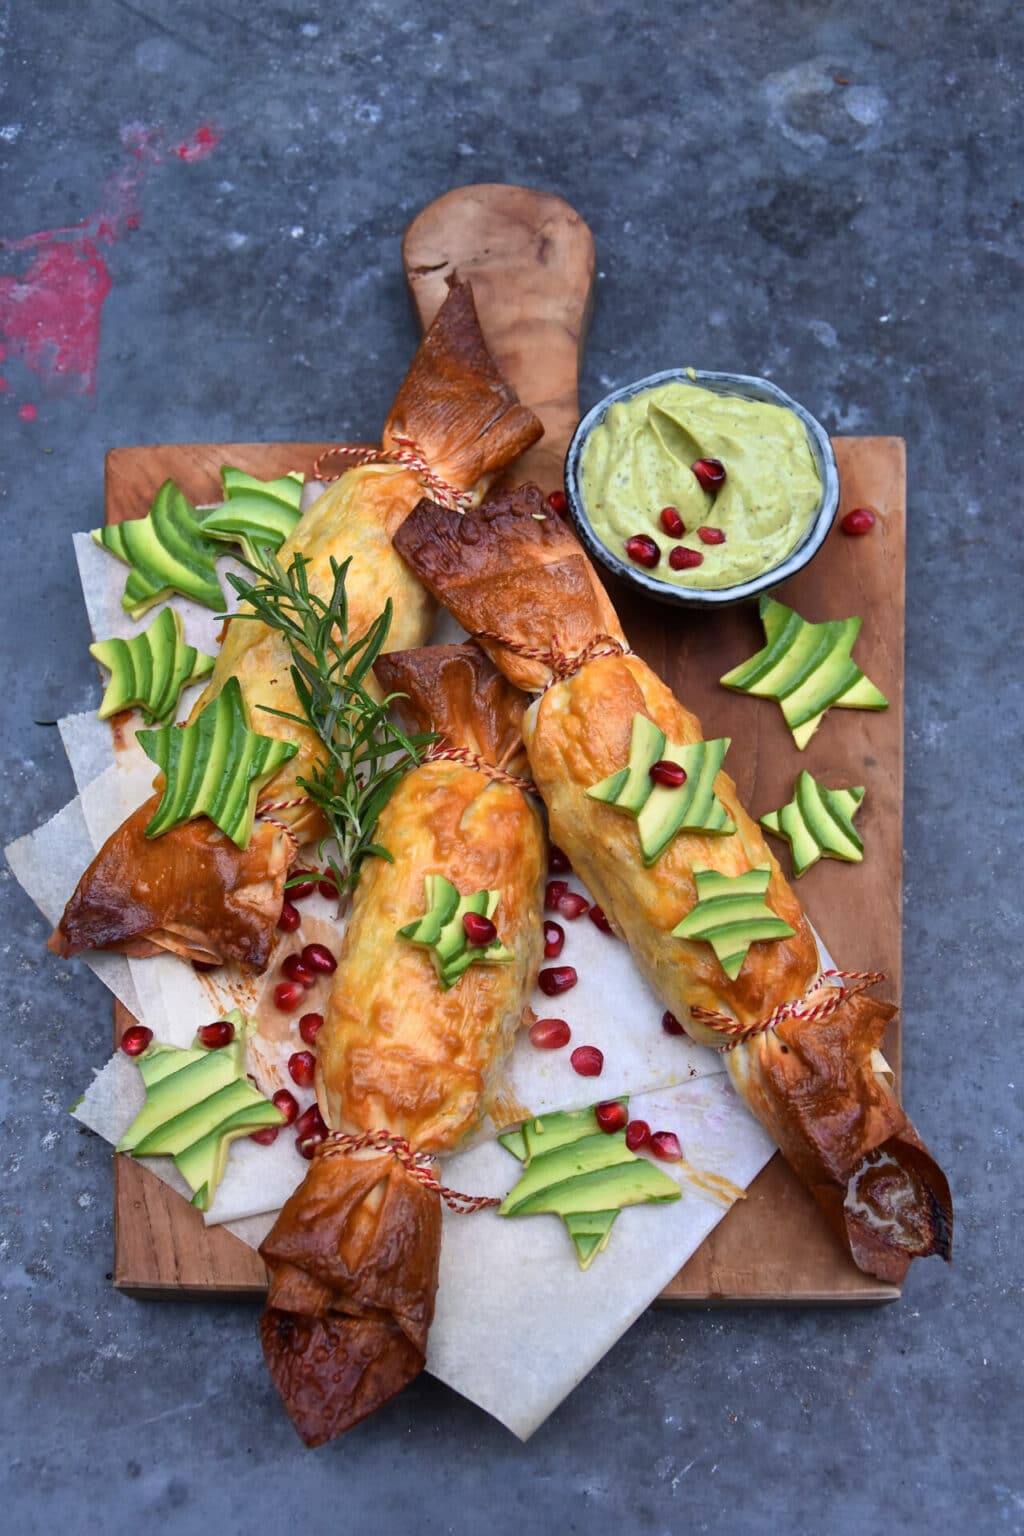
x=353 y=1256
x=191 y=891
x=811 y=1084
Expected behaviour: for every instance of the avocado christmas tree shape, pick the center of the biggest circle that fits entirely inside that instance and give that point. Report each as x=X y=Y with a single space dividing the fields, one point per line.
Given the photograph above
x=662 y=810
x=150 y=669
x=257 y=514
x=807 y=668
x=167 y=551
x=575 y=1170
x=818 y=822
x=214 y=767
x=442 y=931
x=731 y=914
x=197 y=1102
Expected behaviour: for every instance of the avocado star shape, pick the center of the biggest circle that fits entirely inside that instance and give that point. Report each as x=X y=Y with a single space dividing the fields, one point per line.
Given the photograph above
x=256 y=514
x=214 y=767
x=197 y=1102
x=150 y=669
x=806 y=668
x=167 y=551
x=574 y=1169
x=442 y=932
x=731 y=914
x=818 y=822
x=663 y=810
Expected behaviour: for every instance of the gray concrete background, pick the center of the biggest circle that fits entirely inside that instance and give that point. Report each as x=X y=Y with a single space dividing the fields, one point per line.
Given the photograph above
x=862 y=244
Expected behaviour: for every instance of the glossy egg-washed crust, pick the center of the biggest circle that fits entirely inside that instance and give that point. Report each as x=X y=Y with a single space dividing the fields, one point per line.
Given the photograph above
x=137 y=896
x=811 y=1085
x=353 y=1257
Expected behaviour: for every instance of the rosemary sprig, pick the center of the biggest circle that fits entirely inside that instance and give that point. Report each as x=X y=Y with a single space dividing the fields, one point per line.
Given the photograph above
x=360 y=770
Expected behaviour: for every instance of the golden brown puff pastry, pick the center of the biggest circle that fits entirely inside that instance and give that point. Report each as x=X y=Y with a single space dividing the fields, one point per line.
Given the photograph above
x=468 y=423
x=353 y=1258
x=191 y=892
x=576 y=734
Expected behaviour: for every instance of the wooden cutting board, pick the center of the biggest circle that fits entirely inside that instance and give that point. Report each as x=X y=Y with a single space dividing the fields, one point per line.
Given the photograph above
x=531 y=260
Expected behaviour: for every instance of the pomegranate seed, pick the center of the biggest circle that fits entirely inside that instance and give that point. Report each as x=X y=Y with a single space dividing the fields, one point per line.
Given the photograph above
x=597 y=917
x=267 y=1136
x=295 y=969
x=711 y=535
x=550 y=1034
x=587 y=1060
x=302 y=888
x=638 y=1134
x=558 y=862
x=479 y=930
x=308 y=1145
x=571 y=906
x=288 y=995
x=554 y=938
x=290 y=918
x=553 y=893
x=670 y=1024
x=558 y=501
x=310 y=1026
x=216 y=1036
x=672 y=775
x=300 y=1067
x=665 y=1144
x=860 y=520
x=202 y=966
x=642 y=549
x=319 y=958
x=672 y=522
x=328 y=886
x=287 y=1103
x=557 y=979
x=710 y=474
x=135 y=1039
x=310 y=1122
x=682 y=559
x=612 y=1116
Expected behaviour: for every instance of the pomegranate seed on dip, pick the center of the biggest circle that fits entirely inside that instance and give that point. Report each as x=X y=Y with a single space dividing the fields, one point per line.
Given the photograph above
x=736 y=475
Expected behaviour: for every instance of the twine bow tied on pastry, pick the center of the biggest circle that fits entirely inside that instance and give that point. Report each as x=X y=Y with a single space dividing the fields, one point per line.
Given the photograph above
x=406 y=454
x=563 y=664
x=804 y=1008
x=419 y=1164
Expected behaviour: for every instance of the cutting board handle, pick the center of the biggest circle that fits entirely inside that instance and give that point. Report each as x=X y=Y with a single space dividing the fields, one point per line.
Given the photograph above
x=530 y=258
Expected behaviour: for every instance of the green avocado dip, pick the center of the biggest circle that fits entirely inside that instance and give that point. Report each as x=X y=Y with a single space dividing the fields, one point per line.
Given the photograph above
x=637 y=461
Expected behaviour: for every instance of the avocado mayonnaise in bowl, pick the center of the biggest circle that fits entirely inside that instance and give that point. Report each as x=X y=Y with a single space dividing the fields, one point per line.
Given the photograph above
x=701 y=488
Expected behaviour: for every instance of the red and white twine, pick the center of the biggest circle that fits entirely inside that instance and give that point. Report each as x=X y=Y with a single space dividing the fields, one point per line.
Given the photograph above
x=475 y=760
x=801 y=1008
x=407 y=455
x=563 y=664
x=266 y=811
x=419 y=1164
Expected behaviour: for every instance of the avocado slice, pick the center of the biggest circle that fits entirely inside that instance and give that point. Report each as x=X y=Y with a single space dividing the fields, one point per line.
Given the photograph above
x=167 y=552
x=171 y=1094
x=566 y=1164
x=561 y=1129
x=619 y=1184
x=692 y=805
x=442 y=899
x=514 y=1142
x=590 y=1231
x=198 y=1120
x=630 y=787
x=286 y=488
x=202 y=1163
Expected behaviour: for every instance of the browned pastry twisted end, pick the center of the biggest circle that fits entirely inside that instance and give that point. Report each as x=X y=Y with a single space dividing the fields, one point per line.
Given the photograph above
x=353 y=1261
x=191 y=891
x=510 y=567
x=841 y=1127
x=457 y=692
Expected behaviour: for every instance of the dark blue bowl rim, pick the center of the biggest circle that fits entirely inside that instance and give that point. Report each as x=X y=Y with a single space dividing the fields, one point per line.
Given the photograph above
x=747 y=386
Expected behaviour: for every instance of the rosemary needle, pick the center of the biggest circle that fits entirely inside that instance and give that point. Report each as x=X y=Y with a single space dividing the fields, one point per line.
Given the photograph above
x=356 y=778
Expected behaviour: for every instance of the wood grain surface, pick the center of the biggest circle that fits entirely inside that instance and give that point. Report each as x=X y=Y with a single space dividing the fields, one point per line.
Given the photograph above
x=530 y=258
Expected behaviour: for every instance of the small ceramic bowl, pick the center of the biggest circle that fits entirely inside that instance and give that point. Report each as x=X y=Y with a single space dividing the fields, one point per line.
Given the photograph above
x=748 y=388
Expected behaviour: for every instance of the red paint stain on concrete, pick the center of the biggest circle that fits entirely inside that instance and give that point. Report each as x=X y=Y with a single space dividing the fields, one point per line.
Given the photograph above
x=27 y=412
x=201 y=144
x=51 y=315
